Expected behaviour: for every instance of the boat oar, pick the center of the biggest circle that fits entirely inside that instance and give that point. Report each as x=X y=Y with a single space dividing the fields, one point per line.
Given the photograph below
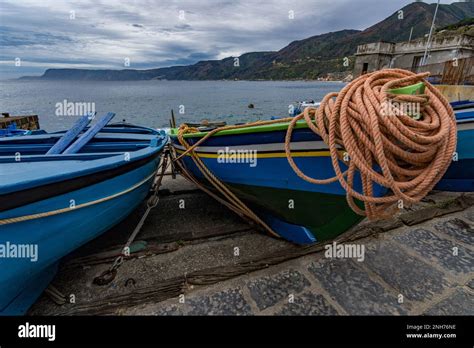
x=89 y=134
x=71 y=134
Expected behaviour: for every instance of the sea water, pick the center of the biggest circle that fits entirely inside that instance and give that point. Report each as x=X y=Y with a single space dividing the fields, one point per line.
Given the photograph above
x=149 y=103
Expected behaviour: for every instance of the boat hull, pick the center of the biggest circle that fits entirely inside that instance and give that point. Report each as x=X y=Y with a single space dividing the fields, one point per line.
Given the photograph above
x=297 y=210
x=460 y=175
x=59 y=234
x=320 y=216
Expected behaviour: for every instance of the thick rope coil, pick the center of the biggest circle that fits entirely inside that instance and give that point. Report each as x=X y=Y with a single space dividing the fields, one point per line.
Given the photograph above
x=385 y=145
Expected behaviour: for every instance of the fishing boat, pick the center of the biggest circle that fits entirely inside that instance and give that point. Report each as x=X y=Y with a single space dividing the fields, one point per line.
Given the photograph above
x=460 y=174
x=11 y=131
x=61 y=190
x=252 y=163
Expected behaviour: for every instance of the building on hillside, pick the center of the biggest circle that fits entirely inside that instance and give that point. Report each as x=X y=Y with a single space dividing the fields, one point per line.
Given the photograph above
x=450 y=59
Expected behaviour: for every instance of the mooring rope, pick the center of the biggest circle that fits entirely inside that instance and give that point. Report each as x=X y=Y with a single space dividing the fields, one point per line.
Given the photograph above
x=385 y=145
x=235 y=204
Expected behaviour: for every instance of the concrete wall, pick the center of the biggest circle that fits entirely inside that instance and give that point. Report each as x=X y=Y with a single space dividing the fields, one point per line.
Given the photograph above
x=375 y=61
x=381 y=55
x=455 y=93
x=405 y=61
x=376 y=47
x=437 y=43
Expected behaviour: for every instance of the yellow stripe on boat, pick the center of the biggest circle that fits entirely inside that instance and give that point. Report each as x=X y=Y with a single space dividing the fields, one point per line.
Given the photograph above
x=261 y=155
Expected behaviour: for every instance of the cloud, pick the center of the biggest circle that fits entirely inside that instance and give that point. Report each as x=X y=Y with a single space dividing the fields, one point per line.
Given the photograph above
x=158 y=33
x=29 y=38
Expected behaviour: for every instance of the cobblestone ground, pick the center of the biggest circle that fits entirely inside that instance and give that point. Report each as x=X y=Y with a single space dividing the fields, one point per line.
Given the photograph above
x=410 y=270
x=419 y=262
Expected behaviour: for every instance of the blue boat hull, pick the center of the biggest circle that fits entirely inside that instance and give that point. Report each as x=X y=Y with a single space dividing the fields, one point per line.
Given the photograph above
x=50 y=205
x=299 y=211
x=269 y=184
x=58 y=235
x=460 y=174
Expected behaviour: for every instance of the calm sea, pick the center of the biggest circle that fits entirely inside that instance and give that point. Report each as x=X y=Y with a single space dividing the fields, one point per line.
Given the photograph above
x=149 y=103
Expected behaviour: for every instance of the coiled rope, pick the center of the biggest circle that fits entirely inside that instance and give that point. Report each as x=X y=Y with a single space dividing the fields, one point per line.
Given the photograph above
x=383 y=143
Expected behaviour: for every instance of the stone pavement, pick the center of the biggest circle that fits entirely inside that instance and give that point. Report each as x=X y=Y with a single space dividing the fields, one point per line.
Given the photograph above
x=423 y=270
x=420 y=262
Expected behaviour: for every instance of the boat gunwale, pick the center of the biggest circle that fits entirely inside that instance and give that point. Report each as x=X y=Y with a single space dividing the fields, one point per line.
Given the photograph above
x=80 y=156
x=280 y=126
x=60 y=157
x=87 y=167
x=57 y=187
x=244 y=130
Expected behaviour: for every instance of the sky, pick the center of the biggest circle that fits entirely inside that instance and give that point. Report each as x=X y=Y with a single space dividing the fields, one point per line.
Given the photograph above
x=140 y=34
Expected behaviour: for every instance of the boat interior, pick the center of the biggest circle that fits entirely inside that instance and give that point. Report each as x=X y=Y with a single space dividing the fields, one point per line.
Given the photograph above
x=111 y=140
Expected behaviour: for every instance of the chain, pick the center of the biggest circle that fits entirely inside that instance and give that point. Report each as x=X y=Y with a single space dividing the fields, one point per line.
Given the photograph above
x=107 y=276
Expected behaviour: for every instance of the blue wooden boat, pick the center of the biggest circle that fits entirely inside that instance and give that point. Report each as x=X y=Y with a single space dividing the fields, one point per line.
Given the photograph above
x=460 y=174
x=297 y=210
x=252 y=162
x=52 y=204
x=12 y=131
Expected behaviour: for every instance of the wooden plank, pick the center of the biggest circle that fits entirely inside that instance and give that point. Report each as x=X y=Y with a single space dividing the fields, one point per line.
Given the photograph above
x=28 y=122
x=457 y=92
x=111 y=305
x=71 y=134
x=110 y=255
x=91 y=132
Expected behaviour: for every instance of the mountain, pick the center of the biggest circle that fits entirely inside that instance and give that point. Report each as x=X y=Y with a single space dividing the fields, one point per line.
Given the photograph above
x=310 y=58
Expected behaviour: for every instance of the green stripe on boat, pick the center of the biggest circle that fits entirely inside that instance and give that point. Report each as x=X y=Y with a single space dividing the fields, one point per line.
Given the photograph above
x=246 y=130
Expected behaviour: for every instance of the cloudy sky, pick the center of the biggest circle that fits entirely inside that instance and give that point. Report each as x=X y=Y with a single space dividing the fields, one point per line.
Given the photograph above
x=156 y=33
